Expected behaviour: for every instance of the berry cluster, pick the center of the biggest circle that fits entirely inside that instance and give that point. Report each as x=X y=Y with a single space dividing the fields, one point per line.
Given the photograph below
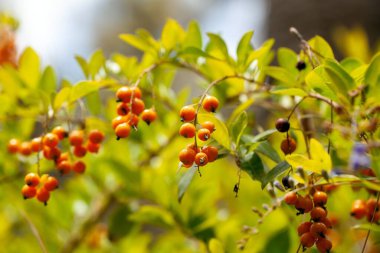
x=39 y=187
x=313 y=231
x=130 y=107
x=51 y=147
x=194 y=153
x=288 y=145
x=370 y=209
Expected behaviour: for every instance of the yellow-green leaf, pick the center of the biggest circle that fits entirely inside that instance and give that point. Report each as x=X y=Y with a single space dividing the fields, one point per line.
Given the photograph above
x=29 y=67
x=221 y=133
x=290 y=92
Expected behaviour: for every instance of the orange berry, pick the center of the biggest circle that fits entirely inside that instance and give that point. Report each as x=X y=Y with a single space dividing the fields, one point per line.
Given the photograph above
x=318 y=213
x=32 y=179
x=304 y=227
x=136 y=92
x=320 y=198
x=79 y=151
x=122 y=109
x=327 y=222
x=132 y=120
x=210 y=103
x=43 y=195
x=318 y=229
x=118 y=120
x=372 y=206
x=122 y=130
x=201 y=159
x=359 y=209
x=204 y=134
x=28 y=191
x=51 y=153
x=187 y=130
x=76 y=137
x=95 y=136
x=44 y=178
x=323 y=245
x=138 y=106
x=187 y=156
x=149 y=115
x=211 y=152
x=25 y=148
x=60 y=132
x=304 y=204
x=307 y=240
x=51 y=140
x=192 y=146
x=288 y=146
x=62 y=157
x=291 y=198
x=187 y=113
x=36 y=144
x=64 y=167
x=92 y=147
x=124 y=94
x=51 y=183
x=13 y=146
x=79 y=167
x=208 y=125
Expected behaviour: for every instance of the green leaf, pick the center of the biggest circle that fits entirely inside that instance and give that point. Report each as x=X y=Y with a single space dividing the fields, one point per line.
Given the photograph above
x=193 y=36
x=342 y=80
x=119 y=225
x=197 y=52
x=274 y=172
x=279 y=242
x=290 y=92
x=83 y=64
x=266 y=149
x=259 y=137
x=315 y=81
x=29 y=67
x=321 y=48
x=281 y=74
x=48 y=82
x=215 y=246
x=238 y=110
x=185 y=181
x=153 y=215
x=238 y=127
x=370 y=185
x=287 y=59
x=261 y=53
x=137 y=42
x=96 y=61
x=218 y=44
x=221 y=133
x=252 y=164
x=84 y=88
x=349 y=64
x=62 y=97
x=244 y=47
x=172 y=33
x=372 y=75
x=367 y=226
x=94 y=103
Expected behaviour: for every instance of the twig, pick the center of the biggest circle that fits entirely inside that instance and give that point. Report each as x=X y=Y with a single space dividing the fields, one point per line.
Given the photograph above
x=371 y=222
x=34 y=231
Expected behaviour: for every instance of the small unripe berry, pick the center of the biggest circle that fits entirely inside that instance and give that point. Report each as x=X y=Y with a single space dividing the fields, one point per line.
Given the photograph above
x=282 y=125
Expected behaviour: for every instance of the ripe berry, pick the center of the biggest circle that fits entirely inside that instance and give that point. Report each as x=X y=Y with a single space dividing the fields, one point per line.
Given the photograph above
x=210 y=103
x=320 y=198
x=304 y=227
x=201 y=159
x=208 y=125
x=118 y=120
x=323 y=245
x=149 y=115
x=288 y=146
x=307 y=240
x=51 y=183
x=92 y=147
x=187 y=113
x=32 y=179
x=327 y=222
x=95 y=136
x=122 y=130
x=318 y=213
x=51 y=140
x=122 y=109
x=132 y=120
x=304 y=204
x=60 y=132
x=62 y=157
x=291 y=198
x=79 y=167
x=51 y=153
x=28 y=192
x=43 y=195
x=79 y=151
x=282 y=125
x=301 y=65
x=36 y=144
x=124 y=94
x=358 y=209
x=138 y=106
x=192 y=146
x=64 y=167
x=187 y=130
x=287 y=182
x=211 y=152
x=25 y=148
x=318 y=229
x=372 y=206
x=76 y=137
x=204 y=134
x=13 y=146
x=187 y=156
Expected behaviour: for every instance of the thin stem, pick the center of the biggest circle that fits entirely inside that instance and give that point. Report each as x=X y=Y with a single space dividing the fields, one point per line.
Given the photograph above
x=372 y=219
x=331 y=122
x=295 y=107
x=35 y=232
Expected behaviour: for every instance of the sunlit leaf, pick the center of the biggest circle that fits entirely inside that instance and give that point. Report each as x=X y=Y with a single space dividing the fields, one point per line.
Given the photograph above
x=372 y=75
x=281 y=74
x=153 y=215
x=244 y=47
x=287 y=58
x=193 y=36
x=172 y=33
x=29 y=67
x=238 y=110
x=215 y=246
x=274 y=172
x=185 y=181
x=367 y=226
x=266 y=149
x=48 y=82
x=238 y=127
x=321 y=48
x=83 y=64
x=290 y=92
x=219 y=45
x=96 y=61
x=221 y=133
x=62 y=97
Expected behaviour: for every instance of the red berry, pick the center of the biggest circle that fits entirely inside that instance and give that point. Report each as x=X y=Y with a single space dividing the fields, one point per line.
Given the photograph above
x=79 y=167
x=149 y=115
x=60 y=132
x=291 y=198
x=51 y=140
x=201 y=159
x=28 y=191
x=323 y=245
x=304 y=204
x=51 y=183
x=64 y=167
x=210 y=103
x=36 y=144
x=211 y=152
x=76 y=137
x=138 y=106
x=288 y=146
x=92 y=147
x=304 y=227
x=25 y=148
x=208 y=125
x=187 y=156
x=132 y=120
x=43 y=195
x=307 y=240
x=187 y=113
x=51 y=153
x=318 y=229
x=122 y=130
x=122 y=109
x=318 y=213
x=79 y=151
x=95 y=136
x=13 y=146
x=118 y=120
x=204 y=134
x=320 y=198
x=187 y=130
x=359 y=209
x=32 y=179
